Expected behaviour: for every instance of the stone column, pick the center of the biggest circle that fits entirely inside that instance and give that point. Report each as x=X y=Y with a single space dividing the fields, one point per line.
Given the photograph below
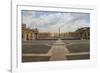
x=87 y=35
x=29 y=36
x=24 y=36
x=33 y=36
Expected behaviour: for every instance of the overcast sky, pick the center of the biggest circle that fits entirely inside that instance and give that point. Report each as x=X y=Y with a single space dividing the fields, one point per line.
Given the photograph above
x=47 y=21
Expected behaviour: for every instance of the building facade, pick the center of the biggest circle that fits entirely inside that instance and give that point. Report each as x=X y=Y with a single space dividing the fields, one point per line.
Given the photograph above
x=34 y=34
x=27 y=33
x=84 y=33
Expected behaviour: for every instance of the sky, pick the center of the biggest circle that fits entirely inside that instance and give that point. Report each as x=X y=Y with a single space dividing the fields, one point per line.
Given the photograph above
x=51 y=21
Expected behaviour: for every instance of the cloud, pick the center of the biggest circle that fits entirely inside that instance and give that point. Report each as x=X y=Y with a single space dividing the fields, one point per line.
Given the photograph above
x=51 y=21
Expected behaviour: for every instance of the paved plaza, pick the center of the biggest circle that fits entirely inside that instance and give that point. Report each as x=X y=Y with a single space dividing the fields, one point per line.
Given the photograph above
x=55 y=50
